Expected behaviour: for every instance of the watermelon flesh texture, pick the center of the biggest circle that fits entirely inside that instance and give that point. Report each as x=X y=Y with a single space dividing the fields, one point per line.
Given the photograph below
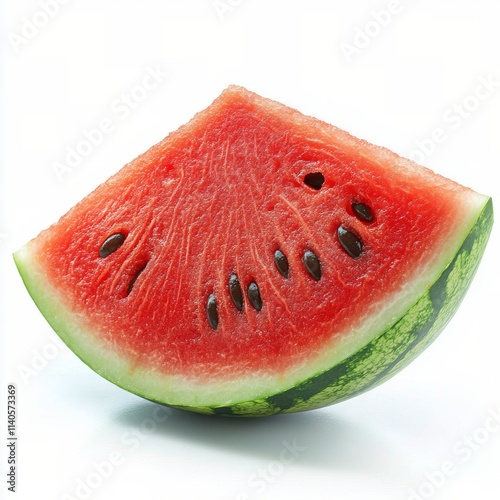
x=190 y=309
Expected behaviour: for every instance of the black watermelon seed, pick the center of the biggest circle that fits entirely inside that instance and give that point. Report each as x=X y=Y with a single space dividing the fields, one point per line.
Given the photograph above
x=212 y=314
x=236 y=292
x=312 y=264
x=112 y=244
x=281 y=262
x=315 y=180
x=134 y=278
x=253 y=293
x=350 y=242
x=362 y=212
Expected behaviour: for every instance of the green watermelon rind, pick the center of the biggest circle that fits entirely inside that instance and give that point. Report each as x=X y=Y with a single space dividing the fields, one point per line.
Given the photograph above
x=369 y=365
x=389 y=352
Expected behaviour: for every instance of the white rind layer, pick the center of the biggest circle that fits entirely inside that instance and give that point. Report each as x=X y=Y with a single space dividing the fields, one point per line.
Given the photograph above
x=179 y=390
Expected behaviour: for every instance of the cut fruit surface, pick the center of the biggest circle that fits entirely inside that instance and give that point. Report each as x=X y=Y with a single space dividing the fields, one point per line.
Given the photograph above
x=257 y=261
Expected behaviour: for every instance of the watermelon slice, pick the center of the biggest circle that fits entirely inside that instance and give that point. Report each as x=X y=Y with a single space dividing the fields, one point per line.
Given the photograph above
x=257 y=261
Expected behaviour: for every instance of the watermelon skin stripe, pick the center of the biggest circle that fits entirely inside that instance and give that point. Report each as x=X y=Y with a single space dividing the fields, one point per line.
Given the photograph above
x=389 y=352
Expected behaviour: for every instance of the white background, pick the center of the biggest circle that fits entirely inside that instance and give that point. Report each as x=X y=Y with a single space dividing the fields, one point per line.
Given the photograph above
x=412 y=76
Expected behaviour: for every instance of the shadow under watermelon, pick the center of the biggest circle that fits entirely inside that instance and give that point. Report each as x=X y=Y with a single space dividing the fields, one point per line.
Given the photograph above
x=320 y=439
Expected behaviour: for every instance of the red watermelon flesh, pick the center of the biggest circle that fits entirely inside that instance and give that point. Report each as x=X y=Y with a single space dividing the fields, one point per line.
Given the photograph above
x=202 y=215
